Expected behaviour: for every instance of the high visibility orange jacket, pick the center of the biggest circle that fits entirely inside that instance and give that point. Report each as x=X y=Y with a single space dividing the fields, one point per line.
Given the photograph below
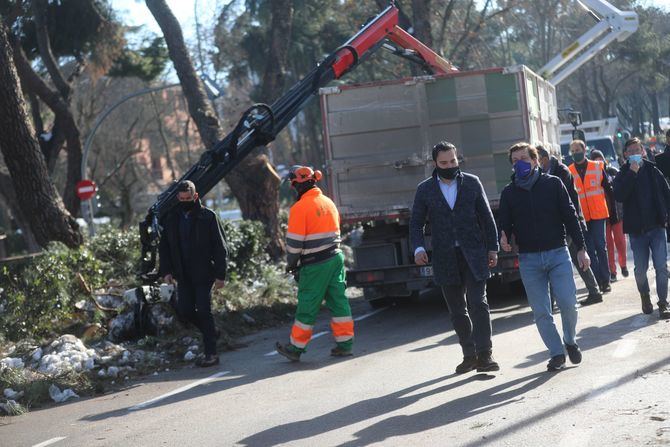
x=592 y=198
x=313 y=229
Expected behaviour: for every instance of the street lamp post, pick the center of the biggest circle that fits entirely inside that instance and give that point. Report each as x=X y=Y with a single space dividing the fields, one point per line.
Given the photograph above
x=89 y=213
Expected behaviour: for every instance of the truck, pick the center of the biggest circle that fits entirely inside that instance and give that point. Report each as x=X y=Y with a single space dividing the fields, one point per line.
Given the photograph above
x=378 y=139
x=600 y=134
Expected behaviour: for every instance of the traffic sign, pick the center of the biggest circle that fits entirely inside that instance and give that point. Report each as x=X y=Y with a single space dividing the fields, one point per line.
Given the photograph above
x=86 y=189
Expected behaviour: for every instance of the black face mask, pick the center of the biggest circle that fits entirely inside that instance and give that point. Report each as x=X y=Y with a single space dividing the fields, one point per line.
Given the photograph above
x=187 y=206
x=448 y=173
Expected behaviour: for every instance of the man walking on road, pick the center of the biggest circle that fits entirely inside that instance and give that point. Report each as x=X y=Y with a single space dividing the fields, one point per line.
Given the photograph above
x=645 y=194
x=592 y=185
x=536 y=209
x=193 y=252
x=465 y=245
x=616 y=239
x=314 y=256
x=553 y=166
x=663 y=159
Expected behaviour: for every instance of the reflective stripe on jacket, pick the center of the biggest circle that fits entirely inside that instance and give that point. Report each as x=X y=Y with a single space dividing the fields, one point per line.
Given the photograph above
x=592 y=197
x=313 y=227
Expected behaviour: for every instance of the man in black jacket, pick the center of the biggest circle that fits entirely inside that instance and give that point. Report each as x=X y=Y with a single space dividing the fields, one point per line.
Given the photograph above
x=536 y=209
x=464 y=240
x=663 y=159
x=645 y=195
x=553 y=166
x=193 y=252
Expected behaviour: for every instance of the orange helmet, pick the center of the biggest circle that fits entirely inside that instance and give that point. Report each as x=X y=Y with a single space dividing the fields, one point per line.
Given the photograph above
x=302 y=174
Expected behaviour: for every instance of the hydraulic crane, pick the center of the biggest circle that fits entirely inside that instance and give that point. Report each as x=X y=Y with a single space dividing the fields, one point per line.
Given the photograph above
x=611 y=24
x=261 y=123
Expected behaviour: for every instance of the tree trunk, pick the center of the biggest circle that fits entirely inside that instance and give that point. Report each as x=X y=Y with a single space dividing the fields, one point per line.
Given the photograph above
x=655 y=113
x=253 y=182
x=277 y=58
x=422 y=27
x=8 y=197
x=35 y=191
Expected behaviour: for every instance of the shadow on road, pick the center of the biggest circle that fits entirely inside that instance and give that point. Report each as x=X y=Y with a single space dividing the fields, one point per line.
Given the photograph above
x=451 y=411
x=421 y=319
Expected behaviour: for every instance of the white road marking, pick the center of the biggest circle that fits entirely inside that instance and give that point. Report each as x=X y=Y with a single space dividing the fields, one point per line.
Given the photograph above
x=625 y=348
x=50 y=441
x=374 y=312
x=178 y=390
x=321 y=334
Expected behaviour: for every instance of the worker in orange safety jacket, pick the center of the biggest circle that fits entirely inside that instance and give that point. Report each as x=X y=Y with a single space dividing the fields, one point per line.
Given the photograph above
x=314 y=256
x=593 y=185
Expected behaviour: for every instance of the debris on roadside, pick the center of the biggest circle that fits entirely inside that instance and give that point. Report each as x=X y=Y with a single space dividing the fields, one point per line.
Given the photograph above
x=59 y=396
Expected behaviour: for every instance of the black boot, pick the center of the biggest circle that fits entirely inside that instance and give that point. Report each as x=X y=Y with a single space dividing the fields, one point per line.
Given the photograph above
x=485 y=362
x=288 y=351
x=647 y=307
x=663 y=311
x=468 y=364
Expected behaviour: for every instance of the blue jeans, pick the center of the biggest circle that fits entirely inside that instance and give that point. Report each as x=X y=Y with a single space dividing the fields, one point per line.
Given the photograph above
x=538 y=271
x=596 y=245
x=654 y=241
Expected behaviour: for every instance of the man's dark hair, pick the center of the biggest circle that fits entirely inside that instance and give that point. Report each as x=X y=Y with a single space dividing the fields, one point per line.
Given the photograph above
x=632 y=141
x=541 y=151
x=532 y=152
x=186 y=186
x=595 y=153
x=443 y=146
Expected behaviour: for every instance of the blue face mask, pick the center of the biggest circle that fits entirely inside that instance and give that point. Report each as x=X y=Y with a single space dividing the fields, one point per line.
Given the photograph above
x=522 y=168
x=637 y=158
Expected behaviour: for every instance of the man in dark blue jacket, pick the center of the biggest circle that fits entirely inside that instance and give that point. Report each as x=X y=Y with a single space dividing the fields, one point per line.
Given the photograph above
x=553 y=166
x=464 y=243
x=536 y=209
x=645 y=195
x=193 y=252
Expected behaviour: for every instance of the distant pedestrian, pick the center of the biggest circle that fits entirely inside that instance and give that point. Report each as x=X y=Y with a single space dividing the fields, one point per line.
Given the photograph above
x=663 y=159
x=616 y=239
x=553 y=166
x=315 y=258
x=465 y=246
x=536 y=210
x=193 y=252
x=645 y=195
x=592 y=186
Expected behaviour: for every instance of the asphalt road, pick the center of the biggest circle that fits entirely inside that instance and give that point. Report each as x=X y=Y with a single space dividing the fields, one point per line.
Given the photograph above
x=399 y=389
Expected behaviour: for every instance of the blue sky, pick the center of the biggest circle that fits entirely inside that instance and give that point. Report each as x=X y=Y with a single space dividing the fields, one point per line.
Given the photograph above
x=135 y=12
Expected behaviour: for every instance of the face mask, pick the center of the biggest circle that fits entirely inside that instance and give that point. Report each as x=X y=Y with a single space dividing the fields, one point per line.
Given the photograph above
x=187 y=206
x=448 y=173
x=637 y=158
x=578 y=157
x=522 y=168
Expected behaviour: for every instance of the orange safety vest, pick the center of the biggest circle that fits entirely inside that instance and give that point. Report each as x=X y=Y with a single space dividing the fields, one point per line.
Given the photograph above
x=313 y=225
x=591 y=193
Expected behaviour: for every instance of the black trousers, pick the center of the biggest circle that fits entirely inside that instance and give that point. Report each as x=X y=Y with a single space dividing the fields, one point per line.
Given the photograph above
x=469 y=310
x=194 y=305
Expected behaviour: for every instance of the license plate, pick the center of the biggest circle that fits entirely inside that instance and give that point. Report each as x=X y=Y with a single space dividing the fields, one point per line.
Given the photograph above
x=426 y=271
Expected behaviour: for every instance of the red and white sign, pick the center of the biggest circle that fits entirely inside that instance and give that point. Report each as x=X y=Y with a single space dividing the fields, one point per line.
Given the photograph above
x=86 y=189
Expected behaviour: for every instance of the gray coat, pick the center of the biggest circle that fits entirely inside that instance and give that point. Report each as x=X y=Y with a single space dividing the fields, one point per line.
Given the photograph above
x=470 y=222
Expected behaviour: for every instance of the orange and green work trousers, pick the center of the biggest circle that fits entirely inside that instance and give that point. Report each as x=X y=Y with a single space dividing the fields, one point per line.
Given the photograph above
x=324 y=280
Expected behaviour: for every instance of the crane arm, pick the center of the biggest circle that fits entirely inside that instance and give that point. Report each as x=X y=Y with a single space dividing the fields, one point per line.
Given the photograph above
x=261 y=123
x=612 y=24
